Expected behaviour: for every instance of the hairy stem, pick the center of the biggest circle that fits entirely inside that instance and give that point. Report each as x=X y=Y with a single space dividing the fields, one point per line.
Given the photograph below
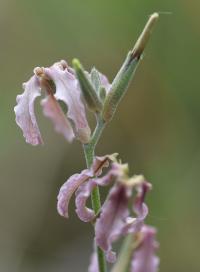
x=89 y=151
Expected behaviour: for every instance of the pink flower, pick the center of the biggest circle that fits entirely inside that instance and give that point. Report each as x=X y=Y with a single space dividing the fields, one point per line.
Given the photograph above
x=67 y=89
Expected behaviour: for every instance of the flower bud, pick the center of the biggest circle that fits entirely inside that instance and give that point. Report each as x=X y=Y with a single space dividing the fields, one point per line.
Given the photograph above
x=95 y=78
x=91 y=98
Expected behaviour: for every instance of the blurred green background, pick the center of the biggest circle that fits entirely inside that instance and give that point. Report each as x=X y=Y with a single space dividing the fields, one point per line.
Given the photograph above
x=156 y=128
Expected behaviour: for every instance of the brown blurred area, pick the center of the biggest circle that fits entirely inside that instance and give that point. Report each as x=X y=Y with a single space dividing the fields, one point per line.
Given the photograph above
x=156 y=128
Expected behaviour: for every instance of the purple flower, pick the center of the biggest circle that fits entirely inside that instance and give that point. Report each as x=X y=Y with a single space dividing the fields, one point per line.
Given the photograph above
x=144 y=258
x=67 y=89
x=115 y=220
x=75 y=182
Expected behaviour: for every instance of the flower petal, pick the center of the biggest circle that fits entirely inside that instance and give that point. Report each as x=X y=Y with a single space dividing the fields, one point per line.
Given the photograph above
x=68 y=90
x=134 y=225
x=111 y=221
x=67 y=190
x=100 y=162
x=144 y=258
x=24 y=111
x=83 y=193
x=73 y=183
x=114 y=220
x=52 y=109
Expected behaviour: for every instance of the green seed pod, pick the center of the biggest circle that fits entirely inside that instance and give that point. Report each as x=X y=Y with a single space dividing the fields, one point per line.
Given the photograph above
x=126 y=73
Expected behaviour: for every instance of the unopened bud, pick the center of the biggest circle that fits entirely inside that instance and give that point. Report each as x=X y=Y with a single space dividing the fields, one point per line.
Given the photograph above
x=95 y=78
x=91 y=97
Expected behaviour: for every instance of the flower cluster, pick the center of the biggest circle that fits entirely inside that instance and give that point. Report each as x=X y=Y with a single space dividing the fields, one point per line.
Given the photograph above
x=115 y=219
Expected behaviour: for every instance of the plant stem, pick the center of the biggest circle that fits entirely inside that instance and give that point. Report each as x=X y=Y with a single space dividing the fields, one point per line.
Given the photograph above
x=89 y=151
x=125 y=255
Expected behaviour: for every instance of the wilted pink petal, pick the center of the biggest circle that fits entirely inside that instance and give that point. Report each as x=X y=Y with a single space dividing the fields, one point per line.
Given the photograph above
x=82 y=194
x=85 y=190
x=133 y=225
x=68 y=91
x=114 y=220
x=111 y=221
x=144 y=258
x=100 y=162
x=67 y=190
x=52 y=109
x=24 y=111
x=73 y=183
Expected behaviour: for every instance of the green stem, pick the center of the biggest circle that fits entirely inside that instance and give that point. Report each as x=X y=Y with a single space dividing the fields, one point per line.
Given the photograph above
x=89 y=151
x=125 y=255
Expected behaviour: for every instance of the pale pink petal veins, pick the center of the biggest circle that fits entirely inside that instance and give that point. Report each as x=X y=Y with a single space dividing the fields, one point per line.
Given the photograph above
x=52 y=109
x=68 y=91
x=144 y=258
x=24 y=111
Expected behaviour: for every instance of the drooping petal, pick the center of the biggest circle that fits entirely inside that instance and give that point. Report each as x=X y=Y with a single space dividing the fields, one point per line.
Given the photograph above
x=144 y=258
x=52 y=109
x=84 y=191
x=82 y=194
x=111 y=221
x=115 y=220
x=67 y=190
x=76 y=180
x=68 y=91
x=24 y=111
x=134 y=224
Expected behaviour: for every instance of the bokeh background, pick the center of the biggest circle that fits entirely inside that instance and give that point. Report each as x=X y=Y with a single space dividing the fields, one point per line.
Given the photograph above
x=156 y=128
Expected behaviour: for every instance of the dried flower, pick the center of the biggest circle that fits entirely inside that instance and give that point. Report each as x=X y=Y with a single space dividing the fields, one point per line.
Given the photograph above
x=115 y=220
x=144 y=258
